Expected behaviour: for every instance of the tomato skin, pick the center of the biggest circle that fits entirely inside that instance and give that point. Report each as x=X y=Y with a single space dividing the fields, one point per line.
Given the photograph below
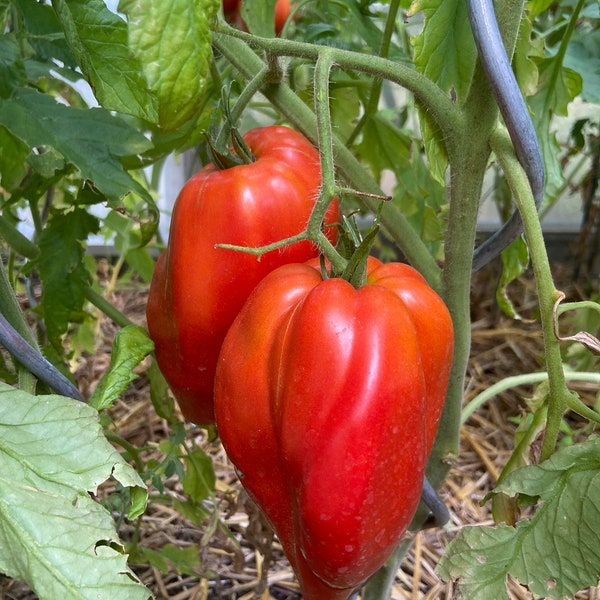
x=197 y=289
x=322 y=405
x=434 y=330
x=282 y=12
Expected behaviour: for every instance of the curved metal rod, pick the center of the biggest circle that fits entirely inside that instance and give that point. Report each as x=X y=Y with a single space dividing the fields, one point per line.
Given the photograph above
x=436 y=505
x=30 y=358
x=516 y=117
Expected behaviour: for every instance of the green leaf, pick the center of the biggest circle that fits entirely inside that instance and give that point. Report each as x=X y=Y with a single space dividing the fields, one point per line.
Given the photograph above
x=536 y=7
x=91 y=139
x=445 y=50
x=12 y=69
x=523 y=64
x=98 y=39
x=384 y=145
x=63 y=273
x=345 y=105
x=199 y=478
x=46 y=163
x=13 y=153
x=421 y=198
x=558 y=86
x=553 y=553
x=172 y=40
x=259 y=17
x=583 y=56
x=45 y=33
x=53 y=535
x=515 y=259
x=130 y=347
x=185 y=560
x=162 y=401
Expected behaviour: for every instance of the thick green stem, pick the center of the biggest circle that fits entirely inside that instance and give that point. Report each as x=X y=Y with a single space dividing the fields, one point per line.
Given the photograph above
x=547 y=293
x=468 y=154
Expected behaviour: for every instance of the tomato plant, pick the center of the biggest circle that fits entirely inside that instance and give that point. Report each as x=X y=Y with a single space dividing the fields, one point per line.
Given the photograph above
x=410 y=113
x=198 y=287
x=323 y=392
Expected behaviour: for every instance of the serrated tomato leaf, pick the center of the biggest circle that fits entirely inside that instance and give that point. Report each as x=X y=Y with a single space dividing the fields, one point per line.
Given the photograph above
x=12 y=69
x=98 y=39
x=445 y=50
x=558 y=87
x=45 y=33
x=555 y=552
x=172 y=40
x=53 y=535
x=91 y=139
x=62 y=271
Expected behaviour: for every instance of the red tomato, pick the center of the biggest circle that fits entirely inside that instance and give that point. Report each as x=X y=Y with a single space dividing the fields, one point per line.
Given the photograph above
x=327 y=400
x=197 y=289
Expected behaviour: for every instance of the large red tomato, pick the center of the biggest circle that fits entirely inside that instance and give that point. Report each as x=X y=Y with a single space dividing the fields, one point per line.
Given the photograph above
x=197 y=289
x=327 y=401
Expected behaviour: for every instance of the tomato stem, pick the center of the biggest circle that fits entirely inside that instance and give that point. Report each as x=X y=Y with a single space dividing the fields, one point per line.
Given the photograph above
x=559 y=394
x=232 y=44
x=325 y=144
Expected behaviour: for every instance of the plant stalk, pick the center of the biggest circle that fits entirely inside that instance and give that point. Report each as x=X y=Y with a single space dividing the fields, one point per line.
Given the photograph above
x=547 y=293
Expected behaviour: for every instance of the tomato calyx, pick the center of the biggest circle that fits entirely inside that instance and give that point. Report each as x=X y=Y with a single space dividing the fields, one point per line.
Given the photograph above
x=355 y=247
x=225 y=159
x=238 y=153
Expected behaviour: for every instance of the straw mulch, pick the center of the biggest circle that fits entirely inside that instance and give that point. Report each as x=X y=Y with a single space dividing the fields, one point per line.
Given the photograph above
x=238 y=556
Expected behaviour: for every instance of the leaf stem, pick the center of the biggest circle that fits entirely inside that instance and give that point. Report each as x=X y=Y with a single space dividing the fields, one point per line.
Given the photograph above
x=559 y=395
x=102 y=304
x=437 y=103
x=517 y=380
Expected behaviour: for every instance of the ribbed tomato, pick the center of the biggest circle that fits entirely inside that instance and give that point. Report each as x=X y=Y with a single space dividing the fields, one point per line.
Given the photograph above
x=198 y=289
x=327 y=401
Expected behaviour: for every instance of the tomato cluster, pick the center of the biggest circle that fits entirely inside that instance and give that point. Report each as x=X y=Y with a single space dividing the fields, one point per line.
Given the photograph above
x=326 y=397
x=197 y=288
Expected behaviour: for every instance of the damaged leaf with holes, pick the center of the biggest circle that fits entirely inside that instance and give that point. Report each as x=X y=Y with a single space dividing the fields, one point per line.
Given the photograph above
x=554 y=552
x=53 y=534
